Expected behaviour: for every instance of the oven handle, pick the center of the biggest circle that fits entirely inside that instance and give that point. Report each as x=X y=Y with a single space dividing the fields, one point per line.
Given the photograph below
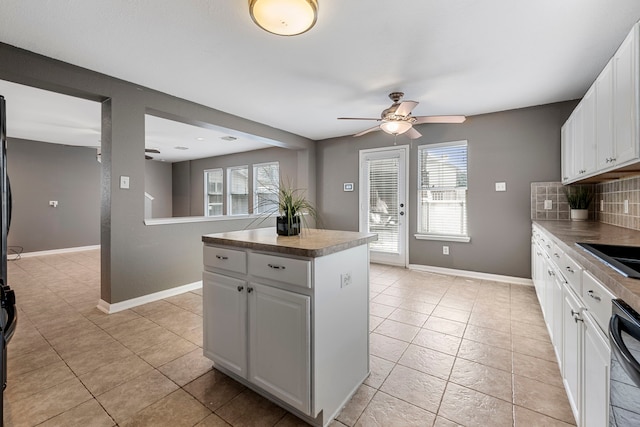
x=9 y=304
x=630 y=365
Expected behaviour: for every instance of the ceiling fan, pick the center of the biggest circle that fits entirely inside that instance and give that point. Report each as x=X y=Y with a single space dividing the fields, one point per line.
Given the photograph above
x=150 y=150
x=397 y=119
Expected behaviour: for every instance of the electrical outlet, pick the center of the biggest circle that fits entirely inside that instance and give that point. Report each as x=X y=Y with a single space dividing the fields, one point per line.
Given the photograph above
x=53 y=203
x=501 y=186
x=345 y=279
x=626 y=206
x=548 y=204
x=445 y=250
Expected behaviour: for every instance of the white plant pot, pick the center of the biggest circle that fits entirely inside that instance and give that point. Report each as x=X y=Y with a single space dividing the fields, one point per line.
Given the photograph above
x=579 y=214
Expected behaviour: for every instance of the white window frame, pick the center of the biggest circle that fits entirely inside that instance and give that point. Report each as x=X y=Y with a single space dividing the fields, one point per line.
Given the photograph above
x=206 y=191
x=256 y=186
x=430 y=234
x=229 y=192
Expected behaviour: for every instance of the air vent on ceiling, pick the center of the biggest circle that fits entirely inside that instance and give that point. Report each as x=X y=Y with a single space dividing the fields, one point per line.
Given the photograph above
x=228 y=138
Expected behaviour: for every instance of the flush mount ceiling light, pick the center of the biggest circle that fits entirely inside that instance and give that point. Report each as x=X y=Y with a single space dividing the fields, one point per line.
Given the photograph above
x=284 y=17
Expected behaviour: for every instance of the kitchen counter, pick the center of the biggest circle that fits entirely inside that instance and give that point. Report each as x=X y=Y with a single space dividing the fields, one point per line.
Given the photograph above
x=567 y=233
x=310 y=243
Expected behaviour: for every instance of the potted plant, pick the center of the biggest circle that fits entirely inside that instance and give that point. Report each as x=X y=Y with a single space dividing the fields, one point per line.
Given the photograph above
x=579 y=199
x=292 y=206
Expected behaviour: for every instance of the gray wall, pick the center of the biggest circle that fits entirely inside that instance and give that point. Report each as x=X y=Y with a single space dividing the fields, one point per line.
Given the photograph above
x=181 y=189
x=517 y=147
x=136 y=259
x=158 y=183
x=41 y=172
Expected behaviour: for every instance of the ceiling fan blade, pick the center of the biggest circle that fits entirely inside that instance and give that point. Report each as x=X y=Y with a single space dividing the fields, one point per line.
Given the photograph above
x=440 y=119
x=405 y=107
x=152 y=150
x=357 y=118
x=367 y=131
x=413 y=133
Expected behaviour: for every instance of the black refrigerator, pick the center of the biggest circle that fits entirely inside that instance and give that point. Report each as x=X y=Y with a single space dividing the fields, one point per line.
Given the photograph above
x=8 y=315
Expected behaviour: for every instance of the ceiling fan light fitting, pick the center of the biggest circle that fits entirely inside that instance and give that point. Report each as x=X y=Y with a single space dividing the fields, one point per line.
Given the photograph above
x=284 y=17
x=395 y=127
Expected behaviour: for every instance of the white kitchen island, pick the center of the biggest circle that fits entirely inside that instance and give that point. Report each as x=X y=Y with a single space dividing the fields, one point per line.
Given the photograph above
x=289 y=316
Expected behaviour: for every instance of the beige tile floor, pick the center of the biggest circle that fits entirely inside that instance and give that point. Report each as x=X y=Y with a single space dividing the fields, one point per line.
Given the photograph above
x=445 y=351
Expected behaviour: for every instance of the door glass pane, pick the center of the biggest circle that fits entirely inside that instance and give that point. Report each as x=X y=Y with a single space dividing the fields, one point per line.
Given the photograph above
x=383 y=204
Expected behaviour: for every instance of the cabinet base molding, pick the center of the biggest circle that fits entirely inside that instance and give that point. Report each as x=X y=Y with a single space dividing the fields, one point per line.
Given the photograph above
x=321 y=420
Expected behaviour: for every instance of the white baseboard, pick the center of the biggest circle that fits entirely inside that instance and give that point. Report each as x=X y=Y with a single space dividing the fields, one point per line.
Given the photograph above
x=134 y=302
x=52 y=252
x=472 y=274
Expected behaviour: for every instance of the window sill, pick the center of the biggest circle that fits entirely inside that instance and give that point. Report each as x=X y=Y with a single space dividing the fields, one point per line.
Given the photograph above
x=442 y=238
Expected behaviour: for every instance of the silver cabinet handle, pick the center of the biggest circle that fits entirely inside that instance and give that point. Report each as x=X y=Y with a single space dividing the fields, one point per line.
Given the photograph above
x=569 y=269
x=222 y=257
x=249 y=289
x=551 y=273
x=576 y=316
x=240 y=288
x=555 y=254
x=276 y=267
x=594 y=295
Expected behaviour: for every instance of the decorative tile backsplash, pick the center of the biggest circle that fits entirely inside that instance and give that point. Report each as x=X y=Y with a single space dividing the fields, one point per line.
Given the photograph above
x=608 y=204
x=611 y=196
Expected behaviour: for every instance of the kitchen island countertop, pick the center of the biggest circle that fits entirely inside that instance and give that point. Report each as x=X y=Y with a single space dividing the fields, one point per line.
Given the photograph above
x=570 y=232
x=310 y=243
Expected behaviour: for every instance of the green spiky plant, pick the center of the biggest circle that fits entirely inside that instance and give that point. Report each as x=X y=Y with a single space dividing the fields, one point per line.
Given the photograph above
x=578 y=197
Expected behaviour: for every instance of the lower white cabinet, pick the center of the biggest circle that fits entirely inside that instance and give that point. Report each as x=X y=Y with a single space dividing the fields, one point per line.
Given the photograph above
x=576 y=312
x=225 y=337
x=571 y=348
x=292 y=328
x=596 y=363
x=279 y=338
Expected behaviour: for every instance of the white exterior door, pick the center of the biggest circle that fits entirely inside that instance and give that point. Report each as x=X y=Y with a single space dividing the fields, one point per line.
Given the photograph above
x=383 y=202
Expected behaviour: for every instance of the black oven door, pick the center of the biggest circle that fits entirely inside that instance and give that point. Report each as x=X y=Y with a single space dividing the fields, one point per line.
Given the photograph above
x=624 y=335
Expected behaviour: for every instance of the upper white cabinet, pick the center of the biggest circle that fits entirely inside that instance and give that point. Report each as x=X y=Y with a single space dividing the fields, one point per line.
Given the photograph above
x=601 y=135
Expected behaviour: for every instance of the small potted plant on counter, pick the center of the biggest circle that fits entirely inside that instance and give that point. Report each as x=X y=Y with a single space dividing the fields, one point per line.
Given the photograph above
x=293 y=206
x=579 y=199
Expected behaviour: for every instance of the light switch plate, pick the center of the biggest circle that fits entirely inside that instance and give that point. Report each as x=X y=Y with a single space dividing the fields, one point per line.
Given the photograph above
x=501 y=186
x=124 y=182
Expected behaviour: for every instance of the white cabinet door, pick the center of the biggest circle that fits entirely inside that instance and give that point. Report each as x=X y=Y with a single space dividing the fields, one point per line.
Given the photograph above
x=624 y=100
x=604 y=117
x=557 y=327
x=577 y=140
x=567 y=150
x=595 y=386
x=279 y=339
x=587 y=146
x=225 y=314
x=571 y=348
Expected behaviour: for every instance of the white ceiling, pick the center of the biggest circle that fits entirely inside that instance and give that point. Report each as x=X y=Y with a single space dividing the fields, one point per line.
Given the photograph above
x=454 y=57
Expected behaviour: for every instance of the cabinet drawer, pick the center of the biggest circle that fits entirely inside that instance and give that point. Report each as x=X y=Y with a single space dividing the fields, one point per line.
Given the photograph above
x=572 y=271
x=226 y=259
x=597 y=298
x=287 y=270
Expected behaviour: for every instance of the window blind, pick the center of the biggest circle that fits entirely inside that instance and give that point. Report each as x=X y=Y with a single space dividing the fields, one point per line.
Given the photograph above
x=238 y=183
x=266 y=184
x=213 y=192
x=383 y=203
x=442 y=189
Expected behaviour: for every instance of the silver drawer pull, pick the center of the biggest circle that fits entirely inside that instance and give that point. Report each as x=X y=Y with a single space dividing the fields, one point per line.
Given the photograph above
x=222 y=257
x=551 y=273
x=240 y=288
x=276 y=267
x=555 y=254
x=569 y=269
x=594 y=296
x=576 y=316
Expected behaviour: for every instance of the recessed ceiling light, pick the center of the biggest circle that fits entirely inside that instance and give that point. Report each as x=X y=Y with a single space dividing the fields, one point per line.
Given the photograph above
x=200 y=138
x=228 y=138
x=181 y=148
